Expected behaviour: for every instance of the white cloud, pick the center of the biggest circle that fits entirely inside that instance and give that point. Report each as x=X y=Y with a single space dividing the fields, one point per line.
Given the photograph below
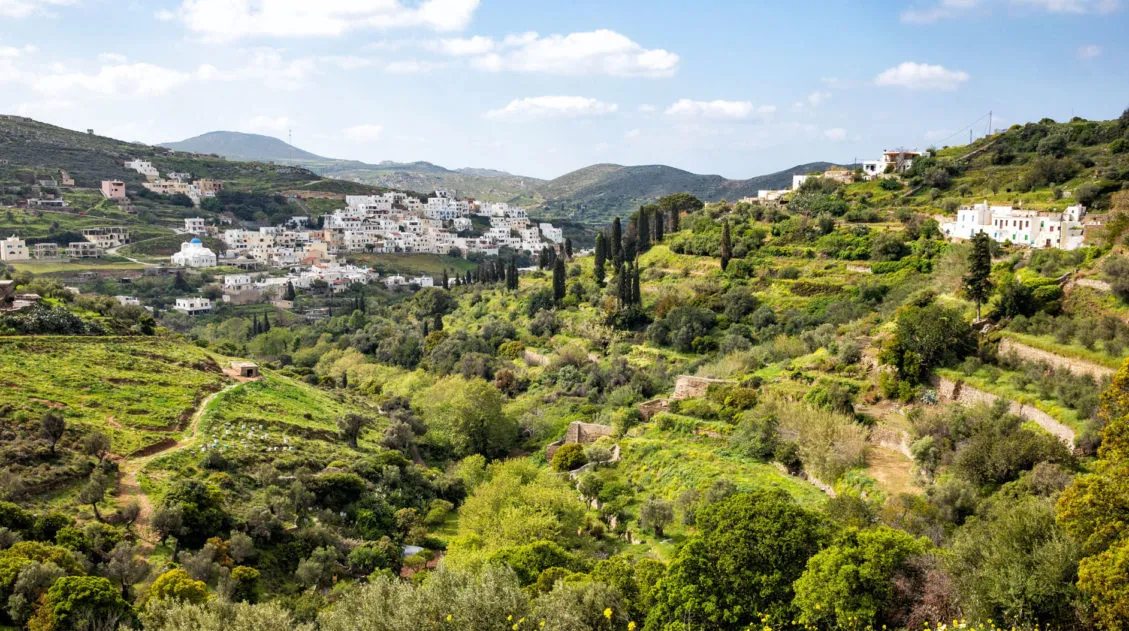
x=1089 y=51
x=633 y=134
x=836 y=134
x=647 y=108
x=235 y=19
x=24 y=8
x=268 y=66
x=814 y=100
x=543 y=107
x=601 y=52
x=917 y=76
x=412 y=66
x=947 y=9
x=129 y=80
x=11 y=52
x=268 y=124
x=363 y=133
x=477 y=45
x=727 y=110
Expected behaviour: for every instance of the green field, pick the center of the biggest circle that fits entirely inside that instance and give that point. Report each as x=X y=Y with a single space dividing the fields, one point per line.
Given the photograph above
x=412 y=264
x=137 y=390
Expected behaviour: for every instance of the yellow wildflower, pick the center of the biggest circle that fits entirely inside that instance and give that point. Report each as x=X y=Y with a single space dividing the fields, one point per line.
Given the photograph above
x=608 y=613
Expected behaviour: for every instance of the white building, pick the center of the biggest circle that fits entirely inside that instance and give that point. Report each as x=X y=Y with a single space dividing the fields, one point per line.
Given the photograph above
x=896 y=161
x=1022 y=227
x=194 y=254
x=143 y=167
x=128 y=301
x=554 y=234
x=236 y=282
x=195 y=225
x=193 y=306
x=13 y=249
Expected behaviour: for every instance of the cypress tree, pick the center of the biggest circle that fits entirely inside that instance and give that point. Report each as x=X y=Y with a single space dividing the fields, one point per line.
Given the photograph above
x=659 y=221
x=266 y=323
x=290 y=294
x=674 y=219
x=977 y=282
x=601 y=258
x=568 y=248
x=543 y=258
x=446 y=285
x=725 y=248
x=643 y=229
x=617 y=242
x=558 y=281
x=438 y=326
x=511 y=275
x=622 y=285
x=636 y=290
x=255 y=325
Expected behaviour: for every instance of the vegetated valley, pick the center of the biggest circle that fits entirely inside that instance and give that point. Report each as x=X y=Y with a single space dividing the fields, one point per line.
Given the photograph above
x=815 y=414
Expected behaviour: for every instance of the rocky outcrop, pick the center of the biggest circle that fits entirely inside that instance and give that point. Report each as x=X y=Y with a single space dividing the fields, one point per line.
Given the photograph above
x=687 y=387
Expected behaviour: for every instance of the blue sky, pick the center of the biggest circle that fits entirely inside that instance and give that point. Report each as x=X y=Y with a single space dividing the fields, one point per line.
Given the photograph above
x=734 y=87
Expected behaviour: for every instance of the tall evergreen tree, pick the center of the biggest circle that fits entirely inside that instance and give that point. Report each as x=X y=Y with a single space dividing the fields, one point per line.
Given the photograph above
x=643 y=229
x=636 y=290
x=978 y=282
x=290 y=293
x=446 y=284
x=543 y=258
x=558 y=281
x=266 y=323
x=659 y=227
x=255 y=330
x=674 y=220
x=617 y=242
x=568 y=248
x=178 y=282
x=601 y=258
x=726 y=251
x=622 y=286
x=438 y=325
x=511 y=275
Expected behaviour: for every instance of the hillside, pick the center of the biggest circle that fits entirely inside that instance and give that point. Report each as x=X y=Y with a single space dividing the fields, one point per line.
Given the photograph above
x=598 y=193
x=592 y=195
x=240 y=146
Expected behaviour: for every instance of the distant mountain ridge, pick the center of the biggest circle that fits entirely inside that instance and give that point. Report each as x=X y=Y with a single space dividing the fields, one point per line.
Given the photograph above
x=235 y=145
x=592 y=195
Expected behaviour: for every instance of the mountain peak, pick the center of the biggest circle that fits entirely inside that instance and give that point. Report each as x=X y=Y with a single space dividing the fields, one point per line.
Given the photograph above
x=235 y=145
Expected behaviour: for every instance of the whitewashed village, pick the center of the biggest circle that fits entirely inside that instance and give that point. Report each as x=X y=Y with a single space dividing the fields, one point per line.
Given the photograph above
x=390 y=223
x=275 y=261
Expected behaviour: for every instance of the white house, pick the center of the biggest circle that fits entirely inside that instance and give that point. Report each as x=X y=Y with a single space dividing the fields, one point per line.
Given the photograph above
x=13 y=249
x=194 y=254
x=143 y=167
x=128 y=301
x=895 y=161
x=193 y=306
x=236 y=282
x=1005 y=224
x=194 y=225
x=556 y=235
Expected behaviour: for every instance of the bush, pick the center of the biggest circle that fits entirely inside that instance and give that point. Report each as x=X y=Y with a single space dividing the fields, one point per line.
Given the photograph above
x=569 y=457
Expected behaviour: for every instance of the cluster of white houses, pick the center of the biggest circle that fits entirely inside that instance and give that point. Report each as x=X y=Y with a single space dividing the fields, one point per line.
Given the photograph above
x=98 y=240
x=1062 y=230
x=172 y=184
x=388 y=223
x=892 y=162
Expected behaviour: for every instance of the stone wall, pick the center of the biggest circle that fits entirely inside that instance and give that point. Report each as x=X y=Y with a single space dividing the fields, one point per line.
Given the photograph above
x=687 y=387
x=1093 y=283
x=958 y=392
x=1076 y=366
x=577 y=432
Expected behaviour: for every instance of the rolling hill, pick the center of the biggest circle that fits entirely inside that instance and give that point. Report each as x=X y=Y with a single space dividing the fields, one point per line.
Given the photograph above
x=591 y=195
x=239 y=146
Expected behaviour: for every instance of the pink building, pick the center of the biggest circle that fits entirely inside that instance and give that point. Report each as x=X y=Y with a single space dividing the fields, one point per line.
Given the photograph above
x=113 y=189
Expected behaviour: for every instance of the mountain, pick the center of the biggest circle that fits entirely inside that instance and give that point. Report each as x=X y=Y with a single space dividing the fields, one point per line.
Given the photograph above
x=239 y=146
x=600 y=192
x=592 y=195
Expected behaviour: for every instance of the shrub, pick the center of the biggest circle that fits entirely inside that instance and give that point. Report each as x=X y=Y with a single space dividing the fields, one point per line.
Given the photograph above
x=569 y=457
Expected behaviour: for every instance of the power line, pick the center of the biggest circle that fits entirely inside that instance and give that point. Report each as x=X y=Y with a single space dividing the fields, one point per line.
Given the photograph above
x=967 y=127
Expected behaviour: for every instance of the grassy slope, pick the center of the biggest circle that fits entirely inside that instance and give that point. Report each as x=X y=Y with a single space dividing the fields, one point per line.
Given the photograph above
x=137 y=390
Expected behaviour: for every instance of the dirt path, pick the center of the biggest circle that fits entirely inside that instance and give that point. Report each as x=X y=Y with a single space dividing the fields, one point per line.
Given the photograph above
x=129 y=488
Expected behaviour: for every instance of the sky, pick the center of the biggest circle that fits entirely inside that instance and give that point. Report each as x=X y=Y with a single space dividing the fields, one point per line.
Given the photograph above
x=734 y=87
